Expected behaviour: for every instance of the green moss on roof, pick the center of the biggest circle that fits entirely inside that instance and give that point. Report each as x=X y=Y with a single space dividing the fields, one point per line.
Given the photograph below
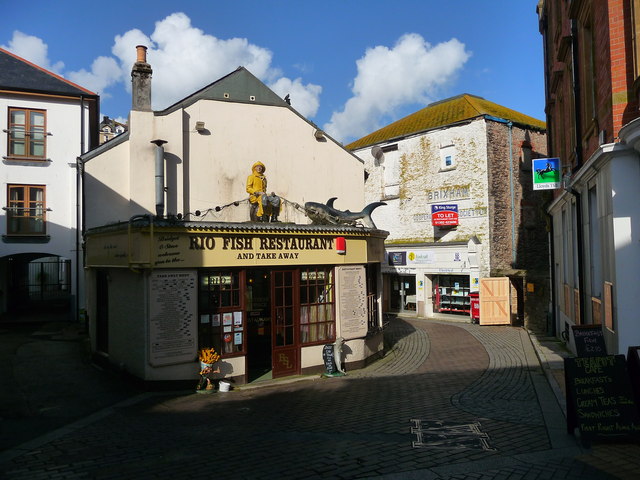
x=446 y=112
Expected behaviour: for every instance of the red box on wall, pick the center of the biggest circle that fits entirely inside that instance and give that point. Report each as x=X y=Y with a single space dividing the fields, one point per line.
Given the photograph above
x=475 y=306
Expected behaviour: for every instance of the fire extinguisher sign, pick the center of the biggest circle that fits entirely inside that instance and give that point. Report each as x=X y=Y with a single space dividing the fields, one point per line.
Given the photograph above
x=444 y=215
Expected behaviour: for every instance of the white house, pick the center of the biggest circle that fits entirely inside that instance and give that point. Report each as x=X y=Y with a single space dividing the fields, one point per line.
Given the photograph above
x=175 y=265
x=46 y=123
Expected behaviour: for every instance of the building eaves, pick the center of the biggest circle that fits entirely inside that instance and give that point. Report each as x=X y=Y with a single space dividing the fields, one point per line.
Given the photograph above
x=108 y=145
x=21 y=76
x=448 y=112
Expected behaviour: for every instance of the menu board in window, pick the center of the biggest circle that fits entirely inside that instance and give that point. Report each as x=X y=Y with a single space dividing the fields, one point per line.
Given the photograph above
x=172 y=317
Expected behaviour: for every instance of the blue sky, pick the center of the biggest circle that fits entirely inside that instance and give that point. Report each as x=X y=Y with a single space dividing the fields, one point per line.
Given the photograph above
x=350 y=66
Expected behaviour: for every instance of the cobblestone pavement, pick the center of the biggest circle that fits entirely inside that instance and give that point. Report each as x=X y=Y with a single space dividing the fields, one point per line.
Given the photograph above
x=448 y=401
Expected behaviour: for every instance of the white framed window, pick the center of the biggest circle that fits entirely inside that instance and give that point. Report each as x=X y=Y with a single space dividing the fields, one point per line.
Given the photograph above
x=447 y=157
x=27 y=134
x=26 y=210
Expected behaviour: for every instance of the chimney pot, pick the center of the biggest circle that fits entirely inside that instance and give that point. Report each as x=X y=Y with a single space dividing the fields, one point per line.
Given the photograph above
x=142 y=53
x=141 y=82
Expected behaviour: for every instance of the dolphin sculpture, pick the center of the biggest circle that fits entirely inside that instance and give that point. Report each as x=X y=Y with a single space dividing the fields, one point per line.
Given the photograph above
x=326 y=214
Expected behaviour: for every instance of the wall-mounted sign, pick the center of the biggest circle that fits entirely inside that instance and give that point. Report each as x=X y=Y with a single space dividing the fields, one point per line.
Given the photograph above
x=154 y=248
x=420 y=257
x=444 y=215
x=352 y=303
x=546 y=173
x=397 y=258
x=448 y=193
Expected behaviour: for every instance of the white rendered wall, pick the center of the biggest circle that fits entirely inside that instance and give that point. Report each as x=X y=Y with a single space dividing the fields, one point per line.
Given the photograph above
x=625 y=200
x=63 y=146
x=203 y=171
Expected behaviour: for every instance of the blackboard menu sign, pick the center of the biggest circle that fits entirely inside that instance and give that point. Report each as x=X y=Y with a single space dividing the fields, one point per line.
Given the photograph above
x=633 y=364
x=329 y=360
x=600 y=399
x=589 y=340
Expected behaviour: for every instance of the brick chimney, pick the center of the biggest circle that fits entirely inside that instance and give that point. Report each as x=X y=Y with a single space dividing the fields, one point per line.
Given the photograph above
x=141 y=82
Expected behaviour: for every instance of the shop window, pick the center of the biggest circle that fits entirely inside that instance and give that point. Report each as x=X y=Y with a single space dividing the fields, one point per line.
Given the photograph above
x=27 y=134
x=26 y=210
x=451 y=294
x=222 y=322
x=317 y=318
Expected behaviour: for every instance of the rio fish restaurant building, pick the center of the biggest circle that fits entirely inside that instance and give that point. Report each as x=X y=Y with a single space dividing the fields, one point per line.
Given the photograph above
x=267 y=297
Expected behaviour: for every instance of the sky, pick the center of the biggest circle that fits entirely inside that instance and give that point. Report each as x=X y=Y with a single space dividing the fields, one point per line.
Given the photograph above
x=349 y=66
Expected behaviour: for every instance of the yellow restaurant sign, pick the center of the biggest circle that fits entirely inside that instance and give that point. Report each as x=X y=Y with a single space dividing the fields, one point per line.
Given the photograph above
x=180 y=249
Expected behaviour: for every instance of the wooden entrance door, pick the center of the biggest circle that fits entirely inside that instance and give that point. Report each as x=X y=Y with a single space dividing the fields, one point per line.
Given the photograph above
x=495 y=301
x=284 y=329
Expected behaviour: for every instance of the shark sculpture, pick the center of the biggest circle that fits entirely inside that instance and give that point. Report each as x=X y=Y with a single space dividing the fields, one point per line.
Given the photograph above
x=326 y=214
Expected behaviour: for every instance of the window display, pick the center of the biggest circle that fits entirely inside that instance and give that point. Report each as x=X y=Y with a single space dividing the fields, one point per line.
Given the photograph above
x=451 y=294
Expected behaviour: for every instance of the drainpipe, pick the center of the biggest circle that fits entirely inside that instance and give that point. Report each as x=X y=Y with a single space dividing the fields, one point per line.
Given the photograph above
x=511 y=192
x=159 y=177
x=79 y=223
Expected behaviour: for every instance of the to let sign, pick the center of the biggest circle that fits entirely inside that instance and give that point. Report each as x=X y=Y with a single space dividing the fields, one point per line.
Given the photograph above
x=444 y=215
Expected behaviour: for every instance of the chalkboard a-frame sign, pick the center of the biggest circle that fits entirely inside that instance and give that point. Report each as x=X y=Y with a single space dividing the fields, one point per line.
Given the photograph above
x=589 y=340
x=329 y=359
x=600 y=399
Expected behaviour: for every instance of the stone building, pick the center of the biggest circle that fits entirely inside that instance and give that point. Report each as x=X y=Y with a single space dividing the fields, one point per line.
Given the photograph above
x=457 y=180
x=110 y=128
x=592 y=77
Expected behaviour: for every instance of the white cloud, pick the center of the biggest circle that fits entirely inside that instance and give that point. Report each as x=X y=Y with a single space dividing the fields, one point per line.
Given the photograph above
x=184 y=59
x=410 y=72
x=304 y=98
x=34 y=50
x=104 y=73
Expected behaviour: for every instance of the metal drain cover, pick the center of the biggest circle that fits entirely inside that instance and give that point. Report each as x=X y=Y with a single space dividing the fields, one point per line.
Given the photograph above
x=449 y=435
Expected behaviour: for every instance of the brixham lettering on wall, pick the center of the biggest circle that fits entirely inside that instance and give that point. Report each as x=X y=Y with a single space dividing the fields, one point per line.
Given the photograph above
x=448 y=193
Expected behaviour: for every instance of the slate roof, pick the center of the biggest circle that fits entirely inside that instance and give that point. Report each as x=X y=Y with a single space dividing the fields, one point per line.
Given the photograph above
x=451 y=111
x=18 y=74
x=239 y=86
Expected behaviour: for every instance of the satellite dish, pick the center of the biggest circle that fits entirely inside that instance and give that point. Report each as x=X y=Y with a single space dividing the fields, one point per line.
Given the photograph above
x=378 y=154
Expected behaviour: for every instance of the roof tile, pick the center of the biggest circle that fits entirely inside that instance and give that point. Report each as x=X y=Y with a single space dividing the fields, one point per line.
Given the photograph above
x=445 y=112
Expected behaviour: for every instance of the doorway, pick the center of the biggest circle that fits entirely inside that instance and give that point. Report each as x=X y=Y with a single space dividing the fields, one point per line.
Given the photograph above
x=102 y=311
x=284 y=335
x=258 y=305
x=403 y=293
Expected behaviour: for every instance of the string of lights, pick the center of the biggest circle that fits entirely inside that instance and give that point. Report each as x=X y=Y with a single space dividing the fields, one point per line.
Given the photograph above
x=202 y=214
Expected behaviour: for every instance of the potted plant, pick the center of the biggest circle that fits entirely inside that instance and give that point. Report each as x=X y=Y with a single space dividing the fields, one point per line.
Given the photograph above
x=208 y=357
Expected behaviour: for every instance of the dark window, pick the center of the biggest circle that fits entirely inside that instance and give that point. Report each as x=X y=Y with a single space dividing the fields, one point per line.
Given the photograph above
x=221 y=317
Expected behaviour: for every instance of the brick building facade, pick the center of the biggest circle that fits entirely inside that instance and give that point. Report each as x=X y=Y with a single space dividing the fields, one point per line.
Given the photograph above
x=592 y=77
